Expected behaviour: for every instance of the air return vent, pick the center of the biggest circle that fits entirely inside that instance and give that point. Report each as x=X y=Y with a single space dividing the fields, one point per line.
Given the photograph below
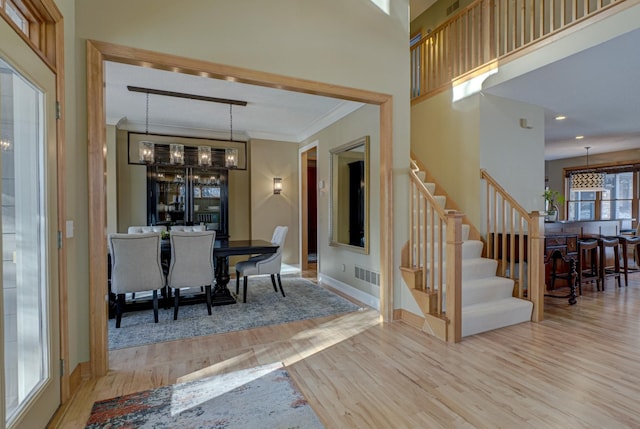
x=367 y=275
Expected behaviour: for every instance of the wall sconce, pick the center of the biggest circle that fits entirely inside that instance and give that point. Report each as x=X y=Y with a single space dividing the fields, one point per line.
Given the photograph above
x=204 y=155
x=176 y=155
x=5 y=145
x=146 y=151
x=231 y=157
x=277 y=185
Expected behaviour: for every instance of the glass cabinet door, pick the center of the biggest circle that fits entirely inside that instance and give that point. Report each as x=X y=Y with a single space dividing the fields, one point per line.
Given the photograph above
x=208 y=193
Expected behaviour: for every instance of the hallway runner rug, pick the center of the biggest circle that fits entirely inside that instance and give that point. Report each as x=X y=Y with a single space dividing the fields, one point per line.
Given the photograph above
x=261 y=397
x=304 y=300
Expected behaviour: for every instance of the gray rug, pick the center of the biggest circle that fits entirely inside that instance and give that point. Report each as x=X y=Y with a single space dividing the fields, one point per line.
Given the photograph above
x=260 y=397
x=304 y=300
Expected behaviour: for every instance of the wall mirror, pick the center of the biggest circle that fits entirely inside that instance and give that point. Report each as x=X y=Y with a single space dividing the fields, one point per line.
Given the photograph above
x=349 y=212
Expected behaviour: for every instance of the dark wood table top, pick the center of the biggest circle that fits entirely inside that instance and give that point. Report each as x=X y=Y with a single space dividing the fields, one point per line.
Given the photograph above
x=243 y=247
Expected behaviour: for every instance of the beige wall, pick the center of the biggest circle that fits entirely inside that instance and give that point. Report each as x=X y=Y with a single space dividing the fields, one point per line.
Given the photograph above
x=362 y=122
x=275 y=159
x=445 y=137
x=354 y=44
x=456 y=140
x=511 y=154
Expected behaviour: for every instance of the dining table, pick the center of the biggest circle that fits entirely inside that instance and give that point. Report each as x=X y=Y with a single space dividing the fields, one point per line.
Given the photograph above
x=223 y=249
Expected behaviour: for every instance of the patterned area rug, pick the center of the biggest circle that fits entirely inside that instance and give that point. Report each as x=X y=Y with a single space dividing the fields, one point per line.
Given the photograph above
x=262 y=397
x=304 y=300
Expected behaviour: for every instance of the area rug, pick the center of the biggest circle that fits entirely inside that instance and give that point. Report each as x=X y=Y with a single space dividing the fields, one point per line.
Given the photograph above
x=262 y=397
x=304 y=300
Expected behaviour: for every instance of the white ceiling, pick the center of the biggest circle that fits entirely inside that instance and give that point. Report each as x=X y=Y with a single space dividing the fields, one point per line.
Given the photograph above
x=269 y=114
x=597 y=89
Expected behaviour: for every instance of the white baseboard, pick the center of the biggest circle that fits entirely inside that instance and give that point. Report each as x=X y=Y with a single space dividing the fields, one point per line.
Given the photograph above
x=349 y=290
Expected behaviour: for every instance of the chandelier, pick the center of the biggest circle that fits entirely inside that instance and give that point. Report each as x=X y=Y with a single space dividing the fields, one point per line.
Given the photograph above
x=588 y=181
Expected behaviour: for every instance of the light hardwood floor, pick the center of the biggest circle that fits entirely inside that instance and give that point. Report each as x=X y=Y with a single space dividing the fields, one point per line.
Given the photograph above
x=579 y=368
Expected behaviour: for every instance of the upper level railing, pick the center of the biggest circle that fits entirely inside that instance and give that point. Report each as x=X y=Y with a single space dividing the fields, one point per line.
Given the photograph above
x=489 y=30
x=515 y=239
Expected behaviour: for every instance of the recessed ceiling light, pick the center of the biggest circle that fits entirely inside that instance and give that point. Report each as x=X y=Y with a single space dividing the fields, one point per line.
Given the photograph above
x=560 y=118
x=579 y=137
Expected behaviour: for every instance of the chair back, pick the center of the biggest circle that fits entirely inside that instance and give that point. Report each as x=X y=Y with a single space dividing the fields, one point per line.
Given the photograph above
x=191 y=258
x=271 y=263
x=188 y=228
x=144 y=229
x=135 y=262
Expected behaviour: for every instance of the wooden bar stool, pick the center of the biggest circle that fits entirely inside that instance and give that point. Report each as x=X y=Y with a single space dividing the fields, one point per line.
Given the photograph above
x=627 y=242
x=609 y=271
x=588 y=263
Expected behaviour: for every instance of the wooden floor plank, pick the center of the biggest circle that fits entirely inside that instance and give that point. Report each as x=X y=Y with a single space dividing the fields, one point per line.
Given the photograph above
x=578 y=368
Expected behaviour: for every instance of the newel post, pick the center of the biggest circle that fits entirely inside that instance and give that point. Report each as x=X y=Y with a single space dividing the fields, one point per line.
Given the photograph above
x=454 y=276
x=536 y=265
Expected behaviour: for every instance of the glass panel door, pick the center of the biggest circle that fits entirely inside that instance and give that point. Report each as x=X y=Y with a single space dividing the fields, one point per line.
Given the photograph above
x=28 y=221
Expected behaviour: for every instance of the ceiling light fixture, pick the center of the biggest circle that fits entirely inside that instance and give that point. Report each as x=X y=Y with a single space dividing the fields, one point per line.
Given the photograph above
x=231 y=154
x=146 y=148
x=560 y=118
x=579 y=137
x=587 y=181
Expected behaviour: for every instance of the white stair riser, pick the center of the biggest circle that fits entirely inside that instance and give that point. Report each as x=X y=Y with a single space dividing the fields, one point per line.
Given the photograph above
x=465 y=231
x=477 y=268
x=470 y=250
x=498 y=314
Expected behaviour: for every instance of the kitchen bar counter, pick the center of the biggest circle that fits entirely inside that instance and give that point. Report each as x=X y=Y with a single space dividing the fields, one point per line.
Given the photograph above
x=586 y=228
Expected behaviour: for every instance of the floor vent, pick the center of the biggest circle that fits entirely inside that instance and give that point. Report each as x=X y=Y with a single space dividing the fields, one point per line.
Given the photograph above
x=367 y=275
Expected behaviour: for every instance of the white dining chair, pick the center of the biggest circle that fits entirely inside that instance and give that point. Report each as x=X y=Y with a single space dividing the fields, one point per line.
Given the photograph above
x=135 y=267
x=141 y=229
x=188 y=228
x=191 y=264
x=263 y=264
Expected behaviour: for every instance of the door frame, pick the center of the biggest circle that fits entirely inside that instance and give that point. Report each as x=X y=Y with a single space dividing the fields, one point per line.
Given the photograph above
x=49 y=47
x=99 y=52
x=303 y=212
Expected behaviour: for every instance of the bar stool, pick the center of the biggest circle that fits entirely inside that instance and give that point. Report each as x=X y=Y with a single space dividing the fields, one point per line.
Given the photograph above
x=588 y=252
x=609 y=271
x=627 y=242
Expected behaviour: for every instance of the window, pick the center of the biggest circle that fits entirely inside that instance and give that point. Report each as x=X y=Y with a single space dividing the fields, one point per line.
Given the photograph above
x=618 y=201
x=17 y=16
x=582 y=206
x=618 y=198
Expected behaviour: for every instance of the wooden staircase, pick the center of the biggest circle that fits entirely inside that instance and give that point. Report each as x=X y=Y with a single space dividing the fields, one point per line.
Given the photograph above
x=483 y=299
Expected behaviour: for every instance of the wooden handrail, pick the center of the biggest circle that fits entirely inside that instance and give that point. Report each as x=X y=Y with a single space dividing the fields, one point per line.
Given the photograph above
x=490 y=30
x=515 y=237
x=429 y=247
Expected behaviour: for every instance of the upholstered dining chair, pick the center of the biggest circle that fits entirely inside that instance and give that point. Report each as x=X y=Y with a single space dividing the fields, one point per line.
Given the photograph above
x=141 y=229
x=263 y=264
x=188 y=228
x=135 y=267
x=191 y=264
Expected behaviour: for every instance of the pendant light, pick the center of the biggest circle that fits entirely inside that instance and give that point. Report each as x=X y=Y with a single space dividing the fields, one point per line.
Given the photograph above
x=587 y=181
x=146 y=148
x=231 y=154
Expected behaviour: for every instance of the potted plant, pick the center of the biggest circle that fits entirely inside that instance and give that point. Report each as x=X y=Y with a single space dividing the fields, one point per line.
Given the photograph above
x=553 y=199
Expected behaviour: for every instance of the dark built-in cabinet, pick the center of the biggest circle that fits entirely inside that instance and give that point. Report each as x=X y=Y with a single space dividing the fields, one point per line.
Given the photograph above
x=188 y=196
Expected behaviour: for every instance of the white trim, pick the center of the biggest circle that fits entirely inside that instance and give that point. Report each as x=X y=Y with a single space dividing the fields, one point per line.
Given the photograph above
x=351 y=291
